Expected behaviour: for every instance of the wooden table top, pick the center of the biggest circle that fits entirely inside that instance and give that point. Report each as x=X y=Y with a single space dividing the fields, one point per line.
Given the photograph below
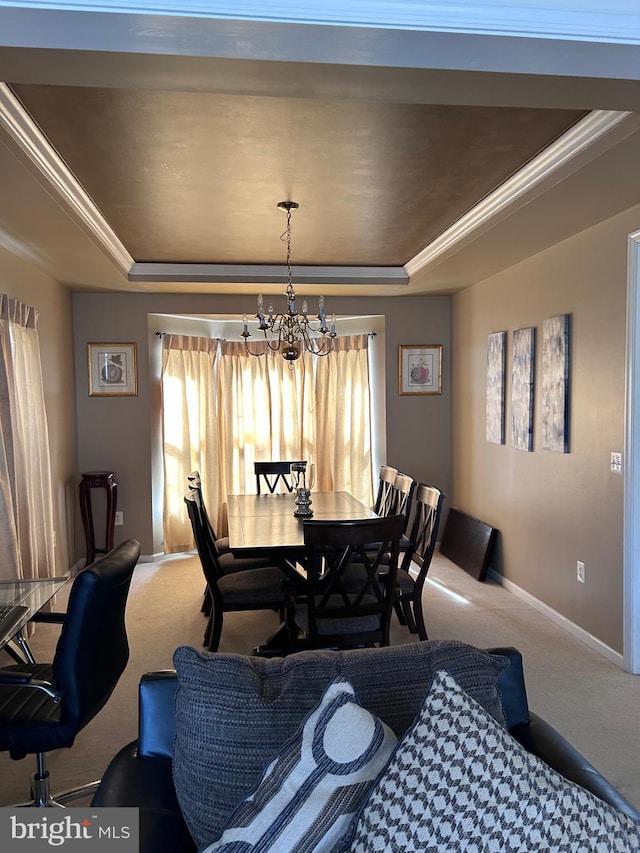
x=267 y=521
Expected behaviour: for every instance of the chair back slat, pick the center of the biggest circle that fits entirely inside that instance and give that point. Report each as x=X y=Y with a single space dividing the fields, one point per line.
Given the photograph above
x=271 y=474
x=424 y=530
x=205 y=543
x=194 y=482
x=384 y=497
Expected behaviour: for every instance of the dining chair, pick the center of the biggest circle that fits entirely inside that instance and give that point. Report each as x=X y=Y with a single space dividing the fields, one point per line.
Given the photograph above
x=44 y=706
x=346 y=603
x=227 y=561
x=194 y=481
x=397 y=500
x=412 y=573
x=271 y=474
x=384 y=495
x=260 y=588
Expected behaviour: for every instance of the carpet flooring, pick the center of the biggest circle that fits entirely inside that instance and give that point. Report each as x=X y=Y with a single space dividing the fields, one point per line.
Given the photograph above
x=588 y=699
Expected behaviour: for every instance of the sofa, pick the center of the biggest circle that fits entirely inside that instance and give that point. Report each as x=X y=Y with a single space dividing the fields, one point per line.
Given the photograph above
x=238 y=711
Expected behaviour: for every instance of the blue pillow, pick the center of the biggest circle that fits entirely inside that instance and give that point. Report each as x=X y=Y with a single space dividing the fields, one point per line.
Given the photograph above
x=313 y=788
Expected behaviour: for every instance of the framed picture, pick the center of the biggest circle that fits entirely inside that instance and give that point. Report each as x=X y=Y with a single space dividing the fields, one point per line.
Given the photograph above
x=420 y=370
x=555 y=383
x=522 y=366
x=496 y=345
x=112 y=370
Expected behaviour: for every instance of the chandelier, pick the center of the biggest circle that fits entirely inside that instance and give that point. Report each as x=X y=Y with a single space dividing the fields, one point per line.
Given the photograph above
x=290 y=333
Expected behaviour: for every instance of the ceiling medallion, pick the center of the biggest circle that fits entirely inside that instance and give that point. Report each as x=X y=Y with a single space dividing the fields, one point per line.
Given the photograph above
x=290 y=333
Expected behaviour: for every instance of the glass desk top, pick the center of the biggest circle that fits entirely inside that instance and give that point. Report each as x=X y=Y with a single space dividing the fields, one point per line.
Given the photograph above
x=31 y=594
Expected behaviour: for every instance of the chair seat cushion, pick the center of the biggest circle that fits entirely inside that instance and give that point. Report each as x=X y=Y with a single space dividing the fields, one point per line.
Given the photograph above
x=340 y=624
x=234 y=712
x=259 y=585
x=29 y=719
x=405 y=582
x=229 y=564
x=222 y=545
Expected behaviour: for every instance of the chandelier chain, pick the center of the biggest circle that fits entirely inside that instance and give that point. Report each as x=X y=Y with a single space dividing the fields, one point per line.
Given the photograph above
x=291 y=332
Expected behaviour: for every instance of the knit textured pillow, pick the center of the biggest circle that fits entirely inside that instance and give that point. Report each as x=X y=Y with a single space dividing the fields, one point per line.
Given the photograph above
x=309 y=794
x=234 y=712
x=459 y=782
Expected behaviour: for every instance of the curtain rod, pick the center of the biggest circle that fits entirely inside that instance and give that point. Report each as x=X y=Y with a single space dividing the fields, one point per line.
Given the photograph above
x=162 y=334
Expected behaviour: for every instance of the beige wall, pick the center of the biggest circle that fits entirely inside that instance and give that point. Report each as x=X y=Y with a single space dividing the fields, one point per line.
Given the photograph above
x=116 y=433
x=23 y=281
x=552 y=509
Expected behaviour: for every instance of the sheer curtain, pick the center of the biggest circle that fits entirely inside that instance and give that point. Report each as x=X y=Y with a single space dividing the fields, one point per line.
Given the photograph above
x=26 y=500
x=343 y=431
x=224 y=408
x=190 y=435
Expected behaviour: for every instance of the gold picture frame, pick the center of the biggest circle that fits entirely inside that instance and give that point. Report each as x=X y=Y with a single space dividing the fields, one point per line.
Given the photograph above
x=113 y=370
x=420 y=370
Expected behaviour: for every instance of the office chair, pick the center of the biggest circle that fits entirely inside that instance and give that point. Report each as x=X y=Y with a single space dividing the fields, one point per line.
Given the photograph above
x=43 y=706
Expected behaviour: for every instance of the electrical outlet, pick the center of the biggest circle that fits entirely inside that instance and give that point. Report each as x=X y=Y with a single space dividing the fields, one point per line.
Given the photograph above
x=119 y=519
x=580 y=573
x=616 y=463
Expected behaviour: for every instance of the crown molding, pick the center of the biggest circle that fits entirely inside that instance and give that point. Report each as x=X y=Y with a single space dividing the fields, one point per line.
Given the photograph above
x=62 y=183
x=549 y=164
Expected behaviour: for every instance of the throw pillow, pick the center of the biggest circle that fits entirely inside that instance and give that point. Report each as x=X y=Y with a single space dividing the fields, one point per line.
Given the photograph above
x=310 y=792
x=234 y=712
x=459 y=782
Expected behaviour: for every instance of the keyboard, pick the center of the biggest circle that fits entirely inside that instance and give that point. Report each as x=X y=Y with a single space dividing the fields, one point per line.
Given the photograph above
x=10 y=615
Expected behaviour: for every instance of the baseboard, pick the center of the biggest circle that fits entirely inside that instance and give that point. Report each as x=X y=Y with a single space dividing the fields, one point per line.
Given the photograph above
x=155 y=558
x=557 y=618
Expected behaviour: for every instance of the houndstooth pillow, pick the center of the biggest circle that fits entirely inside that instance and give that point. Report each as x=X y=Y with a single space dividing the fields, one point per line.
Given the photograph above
x=310 y=792
x=459 y=782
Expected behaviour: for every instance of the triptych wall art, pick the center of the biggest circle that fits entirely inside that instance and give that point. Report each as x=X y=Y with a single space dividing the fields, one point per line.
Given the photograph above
x=554 y=394
x=496 y=346
x=522 y=368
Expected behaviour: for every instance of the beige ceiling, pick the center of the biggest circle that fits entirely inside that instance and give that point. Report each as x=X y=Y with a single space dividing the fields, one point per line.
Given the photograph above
x=195 y=177
x=175 y=163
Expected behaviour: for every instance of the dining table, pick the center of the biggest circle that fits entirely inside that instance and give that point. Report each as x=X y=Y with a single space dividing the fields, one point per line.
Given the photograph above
x=265 y=525
x=258 y=524
x=28 y=596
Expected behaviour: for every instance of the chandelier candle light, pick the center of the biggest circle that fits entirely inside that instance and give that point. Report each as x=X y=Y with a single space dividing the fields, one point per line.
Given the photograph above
x=290 y=333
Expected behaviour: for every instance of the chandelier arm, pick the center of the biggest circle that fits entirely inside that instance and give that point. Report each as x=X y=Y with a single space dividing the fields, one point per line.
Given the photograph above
x=250 y=351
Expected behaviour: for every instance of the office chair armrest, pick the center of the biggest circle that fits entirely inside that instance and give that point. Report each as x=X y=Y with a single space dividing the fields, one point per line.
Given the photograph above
x=56 y=618
x=19 y=678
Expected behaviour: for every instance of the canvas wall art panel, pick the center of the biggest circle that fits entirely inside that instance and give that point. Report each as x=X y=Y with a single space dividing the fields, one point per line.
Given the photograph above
x=522 y=379
x=496 y=345
x=555 y=383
